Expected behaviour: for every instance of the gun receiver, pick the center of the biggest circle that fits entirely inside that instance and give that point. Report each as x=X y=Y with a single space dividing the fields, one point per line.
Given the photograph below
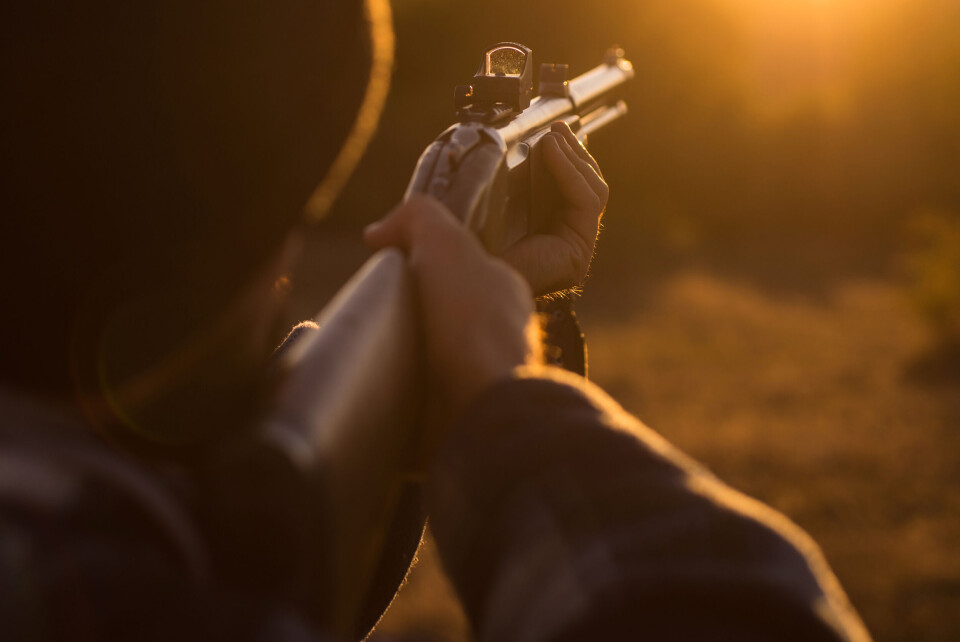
x=351 y=396
x=486 y=169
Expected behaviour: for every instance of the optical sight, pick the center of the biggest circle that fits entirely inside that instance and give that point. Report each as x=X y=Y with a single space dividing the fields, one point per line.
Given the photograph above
x=504 y=78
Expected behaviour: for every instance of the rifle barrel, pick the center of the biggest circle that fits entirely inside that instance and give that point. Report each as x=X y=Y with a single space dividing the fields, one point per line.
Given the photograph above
x=587 y=91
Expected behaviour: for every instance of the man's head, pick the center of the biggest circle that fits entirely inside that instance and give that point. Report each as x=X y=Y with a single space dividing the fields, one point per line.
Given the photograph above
x=156 y=155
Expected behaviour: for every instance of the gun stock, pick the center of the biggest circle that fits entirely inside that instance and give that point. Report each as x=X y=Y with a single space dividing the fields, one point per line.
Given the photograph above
x=351 y=399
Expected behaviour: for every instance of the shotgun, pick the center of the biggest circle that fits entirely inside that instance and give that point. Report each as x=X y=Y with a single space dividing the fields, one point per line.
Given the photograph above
x=351 y=396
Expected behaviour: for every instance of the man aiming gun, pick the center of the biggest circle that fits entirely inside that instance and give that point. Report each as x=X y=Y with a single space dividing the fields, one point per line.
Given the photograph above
x=157 y=158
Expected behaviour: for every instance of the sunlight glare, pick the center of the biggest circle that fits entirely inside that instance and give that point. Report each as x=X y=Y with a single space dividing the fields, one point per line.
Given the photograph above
x=799 y=55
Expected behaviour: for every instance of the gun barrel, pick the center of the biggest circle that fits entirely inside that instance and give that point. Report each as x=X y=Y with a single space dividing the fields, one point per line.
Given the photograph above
x=587 y=91
x=595 y=84
x=600 y=118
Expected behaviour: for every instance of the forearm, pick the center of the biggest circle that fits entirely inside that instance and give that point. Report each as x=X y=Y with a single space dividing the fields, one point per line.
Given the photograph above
x=559 y=516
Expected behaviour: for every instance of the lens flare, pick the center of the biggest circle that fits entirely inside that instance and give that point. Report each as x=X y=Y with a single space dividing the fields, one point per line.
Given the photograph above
x=382 y=40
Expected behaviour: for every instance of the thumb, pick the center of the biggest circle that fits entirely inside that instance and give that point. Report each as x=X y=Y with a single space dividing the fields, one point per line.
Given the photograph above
x=390 y=231
x=420 y=220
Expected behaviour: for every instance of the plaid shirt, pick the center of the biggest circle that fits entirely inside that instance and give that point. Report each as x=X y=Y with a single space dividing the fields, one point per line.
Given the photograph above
x=558 y=516
x=561 y=517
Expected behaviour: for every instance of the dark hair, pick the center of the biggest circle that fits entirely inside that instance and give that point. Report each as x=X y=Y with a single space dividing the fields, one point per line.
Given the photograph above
x=155 y=155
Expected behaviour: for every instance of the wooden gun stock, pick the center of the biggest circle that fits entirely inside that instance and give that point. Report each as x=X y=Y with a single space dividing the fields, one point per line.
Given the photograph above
x=347 y=415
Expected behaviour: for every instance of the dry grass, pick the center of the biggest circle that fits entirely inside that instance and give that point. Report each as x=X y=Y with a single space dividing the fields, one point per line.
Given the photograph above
x=806 y=404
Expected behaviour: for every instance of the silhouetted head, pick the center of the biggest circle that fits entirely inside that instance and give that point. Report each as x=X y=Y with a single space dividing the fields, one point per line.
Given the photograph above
x=156 y=157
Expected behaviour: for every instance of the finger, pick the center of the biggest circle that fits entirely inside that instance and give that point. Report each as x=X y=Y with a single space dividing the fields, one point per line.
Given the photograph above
x=576 y=144
x=573 y=183
x=389 y=231
x=594 y=180
x=426 y=230
x=408 y=222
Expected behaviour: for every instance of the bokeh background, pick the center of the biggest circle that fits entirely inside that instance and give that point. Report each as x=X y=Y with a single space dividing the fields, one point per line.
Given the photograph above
x=777 y=288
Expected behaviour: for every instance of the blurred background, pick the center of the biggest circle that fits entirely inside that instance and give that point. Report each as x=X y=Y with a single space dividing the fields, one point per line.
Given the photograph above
x=777 y=288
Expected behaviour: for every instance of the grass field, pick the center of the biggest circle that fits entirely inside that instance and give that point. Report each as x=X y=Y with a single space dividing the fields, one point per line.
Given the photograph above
x=835 y=409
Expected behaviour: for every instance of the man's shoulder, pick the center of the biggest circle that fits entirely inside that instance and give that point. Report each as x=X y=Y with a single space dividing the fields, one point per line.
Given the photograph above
x=57 y=475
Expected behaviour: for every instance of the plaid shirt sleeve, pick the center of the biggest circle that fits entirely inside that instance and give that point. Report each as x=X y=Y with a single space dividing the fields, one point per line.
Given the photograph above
x=560 y=517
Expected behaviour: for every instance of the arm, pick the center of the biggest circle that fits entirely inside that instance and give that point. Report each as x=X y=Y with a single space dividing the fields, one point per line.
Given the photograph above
x=560 y=517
